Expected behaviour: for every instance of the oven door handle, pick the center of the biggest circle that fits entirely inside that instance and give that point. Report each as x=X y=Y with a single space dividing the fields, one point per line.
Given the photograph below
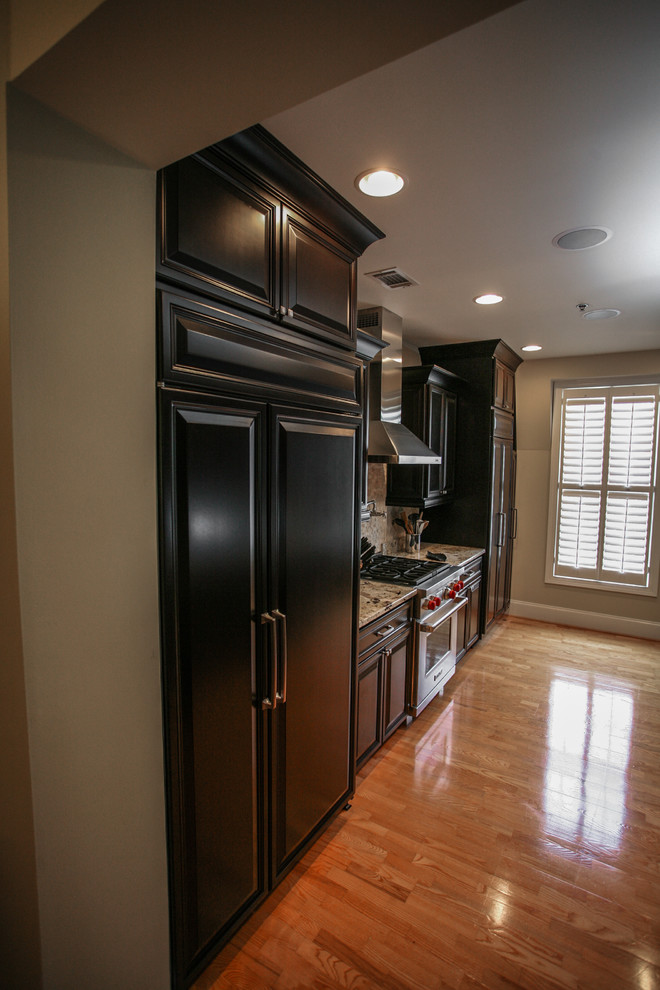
x=443 y=613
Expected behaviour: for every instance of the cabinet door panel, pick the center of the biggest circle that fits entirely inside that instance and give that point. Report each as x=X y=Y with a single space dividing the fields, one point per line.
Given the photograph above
x=509 y=484
x=496 y=531
x=396 y=682
x=472 y=617
x=430 y=412
x=315 y=505
x=504 y=386
x=318 y=278
x=369 y=694
x=210 y=483
x=221 y=231
x=442 y=439
x=500 y=543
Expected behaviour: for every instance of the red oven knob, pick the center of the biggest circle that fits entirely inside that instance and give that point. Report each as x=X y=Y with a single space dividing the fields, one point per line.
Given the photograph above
x=450 y=593
x=458 y=586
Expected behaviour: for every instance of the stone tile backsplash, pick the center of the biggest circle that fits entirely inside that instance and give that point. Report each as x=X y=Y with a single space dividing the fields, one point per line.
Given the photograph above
x=381 y=530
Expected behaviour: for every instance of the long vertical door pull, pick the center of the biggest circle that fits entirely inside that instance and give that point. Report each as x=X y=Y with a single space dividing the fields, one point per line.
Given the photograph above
x=282 y=676
x=272 y=655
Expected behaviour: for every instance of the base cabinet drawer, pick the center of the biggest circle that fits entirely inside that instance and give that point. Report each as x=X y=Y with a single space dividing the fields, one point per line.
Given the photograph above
x=384 y=671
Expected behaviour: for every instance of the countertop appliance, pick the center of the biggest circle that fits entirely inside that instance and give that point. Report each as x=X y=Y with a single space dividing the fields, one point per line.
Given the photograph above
x=438 y=608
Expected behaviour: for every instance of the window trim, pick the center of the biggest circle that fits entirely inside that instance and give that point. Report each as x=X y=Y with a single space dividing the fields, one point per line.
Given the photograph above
x=650 y=587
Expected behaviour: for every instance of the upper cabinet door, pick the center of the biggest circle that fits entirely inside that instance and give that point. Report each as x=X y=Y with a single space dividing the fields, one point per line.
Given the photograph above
x=220 y=233
x=246 y=222
x=429 y=410
x=318 y=281
x=504 y=387
x=441 y=438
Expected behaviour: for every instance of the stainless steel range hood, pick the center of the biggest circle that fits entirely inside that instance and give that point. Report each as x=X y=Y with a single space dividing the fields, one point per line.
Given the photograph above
x=389 y=441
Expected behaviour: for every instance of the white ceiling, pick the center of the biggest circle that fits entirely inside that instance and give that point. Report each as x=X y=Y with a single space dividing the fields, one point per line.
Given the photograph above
x=542 y=118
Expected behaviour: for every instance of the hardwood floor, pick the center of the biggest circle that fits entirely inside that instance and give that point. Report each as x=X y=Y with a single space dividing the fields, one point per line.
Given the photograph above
x=509 y=837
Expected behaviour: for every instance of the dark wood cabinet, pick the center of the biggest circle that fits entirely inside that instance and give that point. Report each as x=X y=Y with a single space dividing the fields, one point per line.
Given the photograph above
x=219 y=232
x=369 y=707
x=469 y=625
x=318 y=280
x=209 y=345
x=395 y=684
x=384 y=666
x=504 y=387
x=258 y=654
x=500 y=537
x=260 y=440
x=248 y=222
x=482 y=514
x=428 y=409
x=367 y=348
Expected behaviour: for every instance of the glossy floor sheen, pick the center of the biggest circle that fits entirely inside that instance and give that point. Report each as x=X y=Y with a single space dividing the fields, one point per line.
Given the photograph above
x=510 y=837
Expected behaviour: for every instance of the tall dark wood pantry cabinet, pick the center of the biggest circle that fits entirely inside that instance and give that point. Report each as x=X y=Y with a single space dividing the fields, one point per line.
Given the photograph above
x=482 y=513
x=260 y=457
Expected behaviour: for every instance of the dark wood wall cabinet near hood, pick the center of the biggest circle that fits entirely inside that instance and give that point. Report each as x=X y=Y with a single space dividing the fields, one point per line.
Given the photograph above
x=482 y=513
x=260 y=439
x=428 y=408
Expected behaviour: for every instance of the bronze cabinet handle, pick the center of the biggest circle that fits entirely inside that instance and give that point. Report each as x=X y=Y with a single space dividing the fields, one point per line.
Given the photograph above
x=281 y=694
x=267 y=702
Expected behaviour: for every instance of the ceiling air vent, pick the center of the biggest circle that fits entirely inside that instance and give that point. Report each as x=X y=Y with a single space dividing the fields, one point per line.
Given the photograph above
x=392 y=278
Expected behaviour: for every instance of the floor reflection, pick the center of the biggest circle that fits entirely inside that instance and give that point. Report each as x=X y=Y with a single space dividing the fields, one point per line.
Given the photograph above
x=433 y=752
x=589 y=729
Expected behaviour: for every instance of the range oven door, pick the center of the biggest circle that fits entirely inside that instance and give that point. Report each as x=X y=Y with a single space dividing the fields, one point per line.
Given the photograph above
x=435 y=659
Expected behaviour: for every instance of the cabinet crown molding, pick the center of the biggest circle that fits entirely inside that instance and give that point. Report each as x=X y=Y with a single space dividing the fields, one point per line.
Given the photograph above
x=276 y=166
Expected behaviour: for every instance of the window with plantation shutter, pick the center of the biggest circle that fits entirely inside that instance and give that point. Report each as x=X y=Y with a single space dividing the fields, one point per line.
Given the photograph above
x=604 y=479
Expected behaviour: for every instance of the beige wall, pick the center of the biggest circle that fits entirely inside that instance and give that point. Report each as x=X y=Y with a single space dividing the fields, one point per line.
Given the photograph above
x=634 y=614
x=19 y=922
x=81 y=238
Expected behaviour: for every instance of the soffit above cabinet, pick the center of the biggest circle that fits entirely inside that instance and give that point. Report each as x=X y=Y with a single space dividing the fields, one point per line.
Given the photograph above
x=160 y=79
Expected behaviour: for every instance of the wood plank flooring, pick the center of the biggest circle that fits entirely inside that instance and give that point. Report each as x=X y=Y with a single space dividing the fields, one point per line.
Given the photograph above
x=509 y=837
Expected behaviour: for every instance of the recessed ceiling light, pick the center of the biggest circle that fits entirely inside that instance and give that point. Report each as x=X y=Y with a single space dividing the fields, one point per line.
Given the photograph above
x=532 y=347
x=581 y=238
x=601 y=314
x=380 y=182
x=488 y=299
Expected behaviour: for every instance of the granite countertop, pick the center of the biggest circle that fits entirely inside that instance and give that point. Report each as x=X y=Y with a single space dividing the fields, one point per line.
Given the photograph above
x=378 y=597
x=458 y=556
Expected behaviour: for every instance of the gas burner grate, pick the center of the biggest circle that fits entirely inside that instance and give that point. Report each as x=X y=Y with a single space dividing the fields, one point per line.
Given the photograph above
x=402 y=570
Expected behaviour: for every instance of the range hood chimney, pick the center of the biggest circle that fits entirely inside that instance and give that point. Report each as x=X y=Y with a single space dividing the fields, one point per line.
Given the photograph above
x=389 y=441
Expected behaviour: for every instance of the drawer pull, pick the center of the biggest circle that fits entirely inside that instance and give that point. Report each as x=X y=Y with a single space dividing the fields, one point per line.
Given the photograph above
x=386 y=630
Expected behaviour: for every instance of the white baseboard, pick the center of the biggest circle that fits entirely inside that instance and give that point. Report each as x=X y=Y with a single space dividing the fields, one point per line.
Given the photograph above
x=586 y=620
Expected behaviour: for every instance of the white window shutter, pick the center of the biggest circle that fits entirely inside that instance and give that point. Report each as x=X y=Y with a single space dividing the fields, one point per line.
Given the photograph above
x=625 y=542
x=583 y=441
x=579 y=528
x=632 y=441
x=605 y=466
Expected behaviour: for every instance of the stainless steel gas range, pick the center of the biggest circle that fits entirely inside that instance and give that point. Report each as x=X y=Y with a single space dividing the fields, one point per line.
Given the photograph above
x=438 y=610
